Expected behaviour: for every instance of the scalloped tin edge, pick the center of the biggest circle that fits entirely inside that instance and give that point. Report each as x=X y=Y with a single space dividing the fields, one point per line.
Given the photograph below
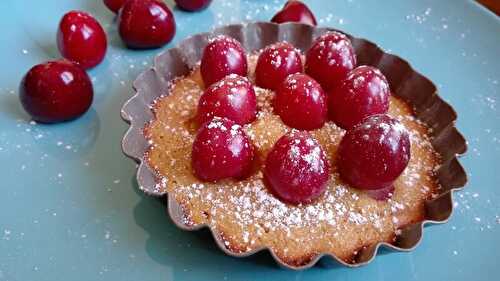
x=405 y=82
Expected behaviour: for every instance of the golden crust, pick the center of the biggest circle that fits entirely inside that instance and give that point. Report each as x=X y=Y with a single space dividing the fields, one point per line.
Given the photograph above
x=248 y=217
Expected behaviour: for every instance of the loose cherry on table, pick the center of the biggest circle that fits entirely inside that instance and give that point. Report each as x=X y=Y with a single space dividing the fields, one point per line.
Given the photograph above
x=114 y=5
x=301 y=103
x=146 y=24
x=275 y=63
x=374 y=153
x=56 y=91
x=221 y=150
x=297 y=168
x=330 y=58
x=81 y=39
x=193 y=5
x=295 y=11
x=233 y=97
x=364 y=92
x=222 y=56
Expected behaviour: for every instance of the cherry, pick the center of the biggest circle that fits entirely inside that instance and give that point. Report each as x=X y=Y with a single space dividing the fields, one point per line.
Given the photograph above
x=56 y=91
x=295 y=11
x=114 y=5
x=297 y=168
x=233 y=97
x=330 y=58
x=364 y=92
x=81 y=39
x=374 y=153
x=221 y=150
x=222 y=56
x=275 y=63
x=193 y=5
x=146 y=24
x=301 y=103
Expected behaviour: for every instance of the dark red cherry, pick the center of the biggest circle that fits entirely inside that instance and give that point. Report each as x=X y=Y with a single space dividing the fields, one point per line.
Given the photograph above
x=56 y=91
x=295 y=11
x=382 y=193
x=114 y=5
x=81 y=39
x=297 y=168
x=146 y=24
x=221 y=150
x=221 y=57
x=233 y=97
x=364 y=92
x=374 y=153
x=330 y=58
x=301 y=103
x=193 y=5
x=275 y=63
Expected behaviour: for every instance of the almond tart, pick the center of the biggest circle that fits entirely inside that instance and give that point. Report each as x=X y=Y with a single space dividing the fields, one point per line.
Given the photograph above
x=345 y=213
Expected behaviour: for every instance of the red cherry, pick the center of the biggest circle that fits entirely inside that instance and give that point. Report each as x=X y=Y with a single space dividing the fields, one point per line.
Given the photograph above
x=364 y=92
x=301 y=103
x=56 y=91
x=275 y=63
x=297 y=168
x=382 y=193
x=295 y=11
x=81 y=39
x=374 y=153
x=193 y=5
x=114 y=5
x=221 y=150
x=233 y=97
x=221 y=57
x=330 y=58
x=146 y=24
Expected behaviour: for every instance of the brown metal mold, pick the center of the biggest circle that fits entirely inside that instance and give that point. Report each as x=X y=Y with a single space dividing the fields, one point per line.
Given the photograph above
x=405 y=82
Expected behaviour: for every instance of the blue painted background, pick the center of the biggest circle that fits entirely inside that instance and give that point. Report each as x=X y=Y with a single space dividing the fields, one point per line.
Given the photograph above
x=69 y=209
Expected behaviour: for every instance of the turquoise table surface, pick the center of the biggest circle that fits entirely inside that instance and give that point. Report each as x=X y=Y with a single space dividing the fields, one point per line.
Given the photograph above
x=69 y=205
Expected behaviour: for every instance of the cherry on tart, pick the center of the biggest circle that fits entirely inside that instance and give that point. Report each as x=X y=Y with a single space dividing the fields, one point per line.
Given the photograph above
x=364 y=92
x=56 y=91
x=374 y=153
x=221 y=57
x=233 y=97
x=297 y=168
x=146 y=24
x=301 y=102
x=81 y=39
x=221 y=150
x=330 y=58
x=192 y=5
x=275 y=63
x=114 y=5
x=295 y=11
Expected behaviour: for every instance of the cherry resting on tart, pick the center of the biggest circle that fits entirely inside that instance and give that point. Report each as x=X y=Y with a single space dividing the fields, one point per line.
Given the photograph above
x=193 y=5
x=146 y=24
x=221 y=150
x=81 y=39
x=374 y=153
x=222 y=56
x=301 y=103
x=330 y=58
x=56 y=91
x=114 y=5
x=295 y=11
x=297 y=168
x=233 y=97
x=275 y=63
x=364 y=92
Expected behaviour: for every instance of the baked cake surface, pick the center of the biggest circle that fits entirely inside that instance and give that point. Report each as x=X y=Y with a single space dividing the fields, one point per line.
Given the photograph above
x=341 y=222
